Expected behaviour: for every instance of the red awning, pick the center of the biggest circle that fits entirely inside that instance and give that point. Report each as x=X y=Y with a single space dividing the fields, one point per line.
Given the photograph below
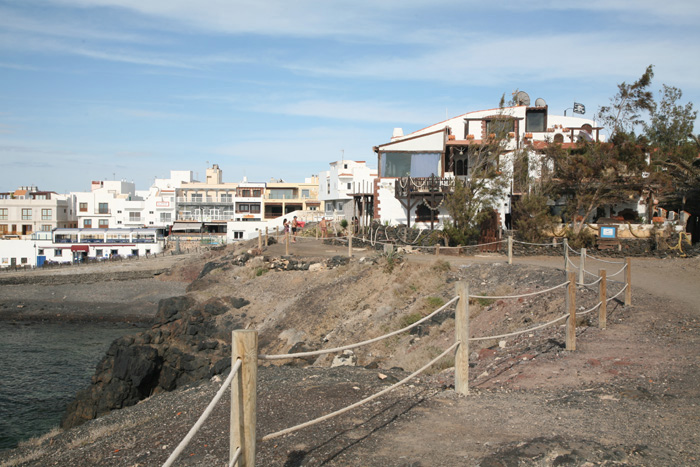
x=84 y=248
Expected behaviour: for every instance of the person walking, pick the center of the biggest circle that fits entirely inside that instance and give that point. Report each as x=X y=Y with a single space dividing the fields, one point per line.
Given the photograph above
x=324 y=227
x=295 y=226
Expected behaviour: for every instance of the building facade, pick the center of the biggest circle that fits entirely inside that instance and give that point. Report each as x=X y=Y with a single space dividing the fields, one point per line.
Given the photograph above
x=28 y=210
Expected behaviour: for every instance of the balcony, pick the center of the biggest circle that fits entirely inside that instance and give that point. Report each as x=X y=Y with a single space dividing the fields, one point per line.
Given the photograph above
x=406 y=186
x=199 y=201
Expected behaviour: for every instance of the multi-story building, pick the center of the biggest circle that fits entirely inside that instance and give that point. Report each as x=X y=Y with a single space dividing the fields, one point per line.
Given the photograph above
x=249 y=201
x=28 y=210
x=417 y=170
x=339 y=185
x=210 y=202
x=117 y=204
x=282 y=198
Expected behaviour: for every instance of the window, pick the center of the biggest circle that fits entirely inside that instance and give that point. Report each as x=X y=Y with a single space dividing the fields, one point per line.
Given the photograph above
x=3 y=228
x=58 y=252
x=345 y=166
x=87 y=223
x=40 y=252
x=23 y=261
x=82 y=207
x=226 y=198
x=281 y=193
x=305 y=194
x=535 y=120
x=422 y=213
x=46 y=214
x=103 y=208
x=165 y=216
x=113 y=252
x=500 y=127
x=26 y=214
x=237 y=235
x=196 y=197
x=3 y=214
x=150 y=212
x=257 y=193
x=255 y=209
x=98 y=253
x=103 y=223
x=134 y=217
x=349 y=185
x=46 y=227
x=405 y=164
x=244 y=208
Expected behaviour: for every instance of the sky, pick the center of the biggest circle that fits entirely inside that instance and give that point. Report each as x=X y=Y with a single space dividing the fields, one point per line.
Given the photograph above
x=131 y=89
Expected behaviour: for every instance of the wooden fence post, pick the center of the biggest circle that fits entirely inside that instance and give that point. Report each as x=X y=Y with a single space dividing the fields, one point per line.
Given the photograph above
x=581 y=266
x=566 y=254
x=571 y=309
x=243 y=396
x=510 y=249
x=259 y=239
x=277 y=233
x=603 y=298
x=628 y=281
x=350 y=245
x=286 y=244
x=267 y=234
x=437 y=249
x=462 y=336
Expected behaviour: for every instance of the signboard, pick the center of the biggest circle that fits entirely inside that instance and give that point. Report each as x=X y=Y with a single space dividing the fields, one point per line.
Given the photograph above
x=162 y=204
x=608 y=232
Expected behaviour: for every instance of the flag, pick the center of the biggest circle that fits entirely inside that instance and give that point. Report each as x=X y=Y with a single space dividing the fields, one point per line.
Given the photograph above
x=579 y=108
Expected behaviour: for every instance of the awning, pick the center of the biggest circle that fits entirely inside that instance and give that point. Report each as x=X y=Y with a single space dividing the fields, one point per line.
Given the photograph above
x=84 y=248
x=185 y=226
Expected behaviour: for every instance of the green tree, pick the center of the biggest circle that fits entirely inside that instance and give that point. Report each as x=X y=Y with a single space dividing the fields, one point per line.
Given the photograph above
x=474 y=196
x=626 y=108
x=671 y=123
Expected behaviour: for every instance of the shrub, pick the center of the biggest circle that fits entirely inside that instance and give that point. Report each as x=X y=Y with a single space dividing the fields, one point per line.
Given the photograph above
x=410 y=319
x=434 y=302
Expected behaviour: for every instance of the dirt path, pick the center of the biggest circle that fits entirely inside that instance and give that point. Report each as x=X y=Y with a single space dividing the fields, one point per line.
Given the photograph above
x=629 y=394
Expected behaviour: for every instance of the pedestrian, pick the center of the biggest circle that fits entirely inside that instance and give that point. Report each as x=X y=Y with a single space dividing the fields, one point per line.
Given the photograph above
x=324 y=227
x=295 y=226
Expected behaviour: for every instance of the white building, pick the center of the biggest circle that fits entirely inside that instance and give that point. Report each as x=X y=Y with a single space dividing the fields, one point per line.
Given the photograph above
x=338 y=185
x=416 y=171
x=76 y=245
x=117 y=204
x=28 y=210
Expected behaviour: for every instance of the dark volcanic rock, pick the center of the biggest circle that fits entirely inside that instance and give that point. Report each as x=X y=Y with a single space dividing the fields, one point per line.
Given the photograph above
x=187 y=343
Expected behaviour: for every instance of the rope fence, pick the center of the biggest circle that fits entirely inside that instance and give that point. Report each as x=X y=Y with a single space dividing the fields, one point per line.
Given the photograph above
x=243 y=376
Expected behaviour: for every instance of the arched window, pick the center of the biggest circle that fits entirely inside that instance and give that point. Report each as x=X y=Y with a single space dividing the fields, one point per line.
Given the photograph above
x=559 y=138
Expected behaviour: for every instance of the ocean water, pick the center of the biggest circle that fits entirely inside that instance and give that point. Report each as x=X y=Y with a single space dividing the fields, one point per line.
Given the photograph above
x=42 y=366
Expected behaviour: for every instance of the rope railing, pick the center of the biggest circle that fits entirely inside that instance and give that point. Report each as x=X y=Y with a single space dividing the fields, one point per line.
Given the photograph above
x=603 y=260
x=534 y=244
x=580 y=313
x=500 y=297
x=195 y=428
x=617 y=294
x=358 y=344
x=245 y=343
x=516 y=333
x=277 y=434
x=592 y=283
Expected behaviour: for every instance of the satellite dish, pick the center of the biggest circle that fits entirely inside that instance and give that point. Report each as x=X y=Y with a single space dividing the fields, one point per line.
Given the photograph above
x=521 y=98
x=539 y=102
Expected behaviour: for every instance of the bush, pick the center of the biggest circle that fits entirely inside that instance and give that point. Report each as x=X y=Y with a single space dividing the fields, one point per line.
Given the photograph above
x=410 y=319
x=344 y=223
x=434 y=302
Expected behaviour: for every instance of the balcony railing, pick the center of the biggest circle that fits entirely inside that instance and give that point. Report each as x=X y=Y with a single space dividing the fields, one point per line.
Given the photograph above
x=185 y=200
x=420 y=185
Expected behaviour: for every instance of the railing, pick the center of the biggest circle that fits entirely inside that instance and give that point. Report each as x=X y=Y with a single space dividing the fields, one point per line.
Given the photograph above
x=408 y=185
x=245 y=357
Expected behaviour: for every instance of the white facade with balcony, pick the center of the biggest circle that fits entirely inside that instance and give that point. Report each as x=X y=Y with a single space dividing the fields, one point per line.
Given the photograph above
x=337 y=185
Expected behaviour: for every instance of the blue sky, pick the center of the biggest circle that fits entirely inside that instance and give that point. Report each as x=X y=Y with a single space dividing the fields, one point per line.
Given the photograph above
x=97 y=89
